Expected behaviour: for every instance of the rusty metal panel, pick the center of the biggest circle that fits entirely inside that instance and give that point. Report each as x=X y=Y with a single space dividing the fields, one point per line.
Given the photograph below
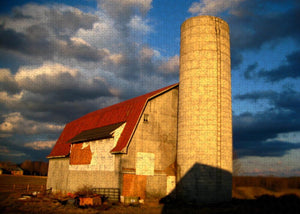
x=101 y=158
x=134 y=185
x=81 y=154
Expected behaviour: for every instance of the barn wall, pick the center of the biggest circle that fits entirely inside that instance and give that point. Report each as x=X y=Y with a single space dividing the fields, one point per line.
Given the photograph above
x=93 y=166
x=58 y=173
x=152 y=149
x=95 y=178
x=103 y=171
x=60 y=178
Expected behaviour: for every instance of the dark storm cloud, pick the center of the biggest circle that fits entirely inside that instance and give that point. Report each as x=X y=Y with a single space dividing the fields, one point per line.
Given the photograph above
x=37 y=32
x=60 y=105
x=256 y=26
x=256 y=95
x=53 y=92
x=41 y=108
x=139 y=63
x=10 y=60
x=61 y=113
x=264 y=125
x=289 y=99
x=20 y=42
x=82 y=52
x=69 y=21
x=9 y=86
x=264 y=149
x=65 y=87
x=236 y=58
x=291 y=69
x=253 y=24
x=61 y=19
x=285 y=100
x=131 y=69
x=250 y=71
x=252 y=131
x=17 y=152
x=8 y=82
x=47 y=32
x=39 y=44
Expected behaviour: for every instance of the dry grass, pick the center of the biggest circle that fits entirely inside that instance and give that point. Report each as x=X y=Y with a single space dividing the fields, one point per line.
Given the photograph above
x=255 y=192
x=272 y=183
x=85 y=191
x=23 y=179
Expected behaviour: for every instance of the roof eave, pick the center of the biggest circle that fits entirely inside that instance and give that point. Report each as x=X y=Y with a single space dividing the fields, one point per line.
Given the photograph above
x=58 y=156
x=118 y=152
x=88 y=140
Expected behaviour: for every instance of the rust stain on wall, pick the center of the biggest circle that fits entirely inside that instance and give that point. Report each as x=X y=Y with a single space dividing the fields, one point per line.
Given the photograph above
x=80 y=154
x=171 y=169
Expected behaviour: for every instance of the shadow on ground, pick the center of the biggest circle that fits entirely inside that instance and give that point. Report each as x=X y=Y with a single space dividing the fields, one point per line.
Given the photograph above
x=286 y=204
x=206 y=189
x=203 y=183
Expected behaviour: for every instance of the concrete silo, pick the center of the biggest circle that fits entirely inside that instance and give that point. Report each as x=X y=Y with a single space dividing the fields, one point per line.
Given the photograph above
x=204 y=150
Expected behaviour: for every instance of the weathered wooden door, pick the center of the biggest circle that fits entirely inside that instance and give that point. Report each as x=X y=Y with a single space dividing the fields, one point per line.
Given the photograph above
x=134 y=185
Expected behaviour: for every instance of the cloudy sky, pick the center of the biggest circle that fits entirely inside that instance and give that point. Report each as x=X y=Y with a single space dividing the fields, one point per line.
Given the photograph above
x=62 y=59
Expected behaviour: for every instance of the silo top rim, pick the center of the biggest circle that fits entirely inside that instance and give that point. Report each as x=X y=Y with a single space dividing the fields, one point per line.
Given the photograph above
x=205 y=19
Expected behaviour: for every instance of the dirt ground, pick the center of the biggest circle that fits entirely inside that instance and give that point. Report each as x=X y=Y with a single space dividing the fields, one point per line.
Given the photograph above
x=245 y=200
x=272 y=202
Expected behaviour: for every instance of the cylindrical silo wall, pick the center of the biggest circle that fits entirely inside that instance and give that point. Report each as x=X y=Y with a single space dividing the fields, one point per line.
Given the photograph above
x=204 y=152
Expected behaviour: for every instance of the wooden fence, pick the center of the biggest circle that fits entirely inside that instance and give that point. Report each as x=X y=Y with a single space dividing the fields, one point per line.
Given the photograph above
x=22 y=187
x=113 y=194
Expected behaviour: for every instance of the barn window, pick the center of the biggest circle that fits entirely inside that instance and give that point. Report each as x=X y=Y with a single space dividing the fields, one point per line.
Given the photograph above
x=146 y=118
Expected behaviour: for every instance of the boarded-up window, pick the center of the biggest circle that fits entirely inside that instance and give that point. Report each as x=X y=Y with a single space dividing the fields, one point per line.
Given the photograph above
x=98 y=155
x=145 y=163
x=134 y=185
x=80 y=154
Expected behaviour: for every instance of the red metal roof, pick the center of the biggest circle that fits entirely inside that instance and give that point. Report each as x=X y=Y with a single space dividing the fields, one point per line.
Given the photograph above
x=128 y=111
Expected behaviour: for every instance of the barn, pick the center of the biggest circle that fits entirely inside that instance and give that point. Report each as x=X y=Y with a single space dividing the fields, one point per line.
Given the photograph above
x=124 y=144
x=173 y=141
